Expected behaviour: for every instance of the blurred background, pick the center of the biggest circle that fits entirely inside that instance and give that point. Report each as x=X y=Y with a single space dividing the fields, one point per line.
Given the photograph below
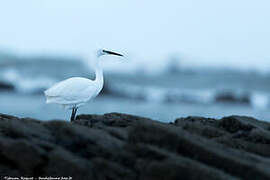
x=200 y=58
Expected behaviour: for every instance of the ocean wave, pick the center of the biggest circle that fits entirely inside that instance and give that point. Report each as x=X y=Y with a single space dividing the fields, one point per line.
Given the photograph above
x=33 y=84
x=157 y=94
x=26 y=84
x=153 y=94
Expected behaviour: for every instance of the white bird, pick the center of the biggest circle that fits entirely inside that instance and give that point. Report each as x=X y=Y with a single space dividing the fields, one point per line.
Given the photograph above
x=76 y=91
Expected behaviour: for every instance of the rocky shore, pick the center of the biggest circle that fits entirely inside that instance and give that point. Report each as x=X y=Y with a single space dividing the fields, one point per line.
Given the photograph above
x=118 y=146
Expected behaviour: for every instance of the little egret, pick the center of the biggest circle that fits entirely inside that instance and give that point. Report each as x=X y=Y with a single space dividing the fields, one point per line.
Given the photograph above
x=76 y=91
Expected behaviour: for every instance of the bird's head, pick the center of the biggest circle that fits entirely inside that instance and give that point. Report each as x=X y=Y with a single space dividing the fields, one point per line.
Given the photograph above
x=102 y=52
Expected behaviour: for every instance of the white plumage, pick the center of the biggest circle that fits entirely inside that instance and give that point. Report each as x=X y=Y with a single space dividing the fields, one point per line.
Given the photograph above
x=72 y=92
x=76 y=91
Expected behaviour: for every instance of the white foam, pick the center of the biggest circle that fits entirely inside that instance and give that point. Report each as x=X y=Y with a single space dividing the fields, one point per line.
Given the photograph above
x=154 y=94
x=260 y=100
x=26 y=84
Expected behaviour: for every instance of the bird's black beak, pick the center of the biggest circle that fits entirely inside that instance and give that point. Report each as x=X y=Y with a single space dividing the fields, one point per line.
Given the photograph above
x=112 y=53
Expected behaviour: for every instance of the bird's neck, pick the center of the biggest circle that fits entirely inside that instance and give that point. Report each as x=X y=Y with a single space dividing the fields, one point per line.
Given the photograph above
x=99 y=75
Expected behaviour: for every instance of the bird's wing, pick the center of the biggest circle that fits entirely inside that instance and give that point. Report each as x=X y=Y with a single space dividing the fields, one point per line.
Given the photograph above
x=72 y=90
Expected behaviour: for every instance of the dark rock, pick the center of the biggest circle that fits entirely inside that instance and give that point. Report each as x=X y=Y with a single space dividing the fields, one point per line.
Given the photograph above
x=6 y=87
x=230 y=97
x=233 y=124
x=120 y=146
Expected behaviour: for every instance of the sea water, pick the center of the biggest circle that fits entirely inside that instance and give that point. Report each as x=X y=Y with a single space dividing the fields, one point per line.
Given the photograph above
x=164 y=96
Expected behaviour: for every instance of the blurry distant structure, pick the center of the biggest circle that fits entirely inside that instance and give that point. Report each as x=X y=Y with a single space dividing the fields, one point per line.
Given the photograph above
x=174 y=65
x=141 y=72
x=6 y=58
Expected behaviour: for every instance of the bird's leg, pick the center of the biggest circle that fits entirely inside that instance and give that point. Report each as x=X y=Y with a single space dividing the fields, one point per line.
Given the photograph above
x=75 y=111
x=73 y=115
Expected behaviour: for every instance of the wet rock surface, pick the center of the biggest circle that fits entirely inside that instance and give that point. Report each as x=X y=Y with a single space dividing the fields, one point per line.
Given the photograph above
x=120 y=146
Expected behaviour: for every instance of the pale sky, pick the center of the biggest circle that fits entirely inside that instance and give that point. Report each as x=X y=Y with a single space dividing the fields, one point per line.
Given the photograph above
x=233 y=33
